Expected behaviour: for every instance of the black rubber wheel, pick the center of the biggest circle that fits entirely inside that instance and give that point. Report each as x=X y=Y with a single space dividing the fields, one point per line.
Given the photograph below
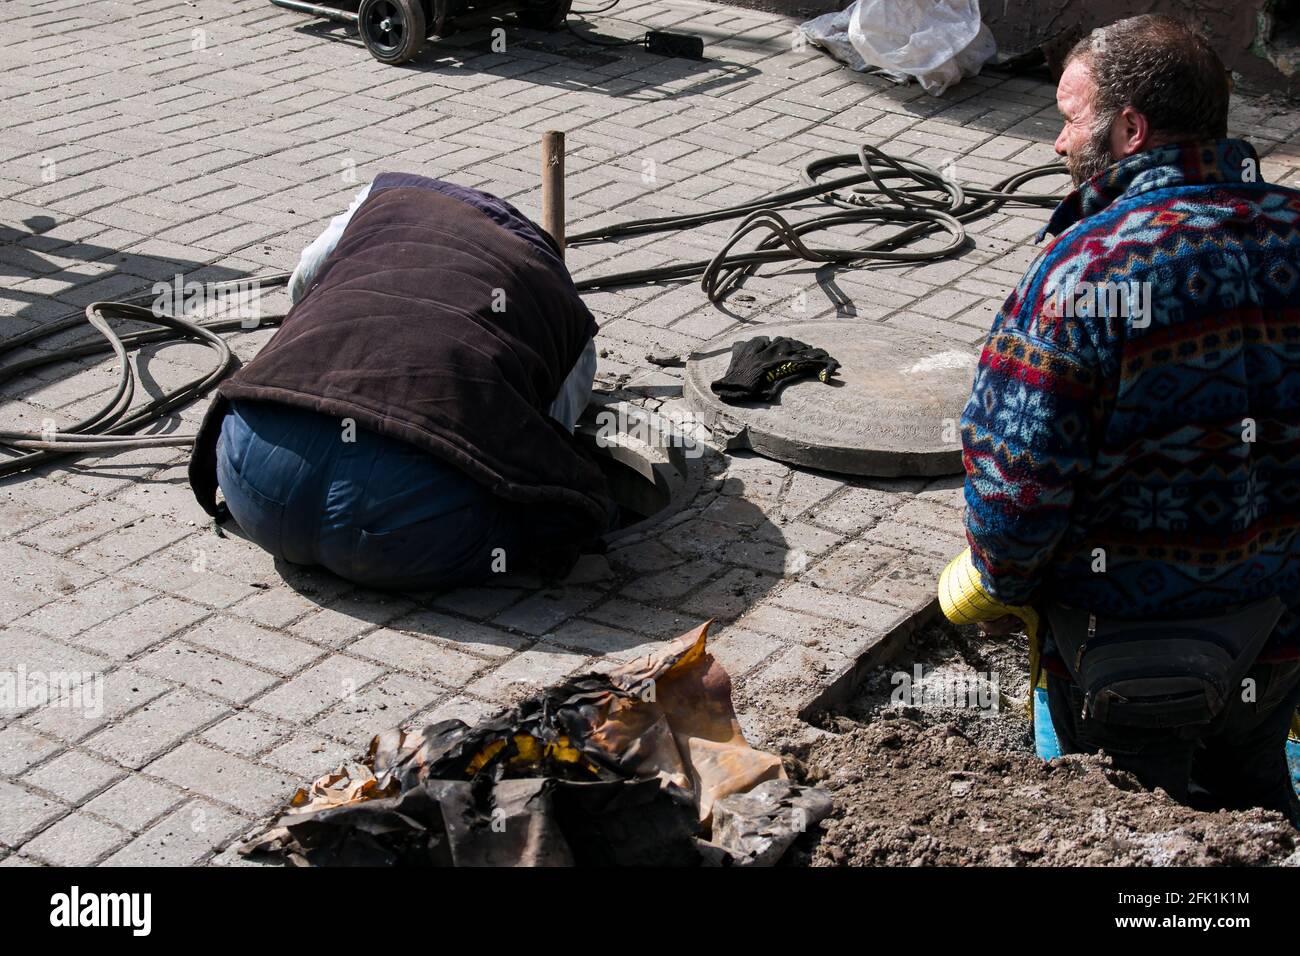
x=548 y=17
x=392 y=30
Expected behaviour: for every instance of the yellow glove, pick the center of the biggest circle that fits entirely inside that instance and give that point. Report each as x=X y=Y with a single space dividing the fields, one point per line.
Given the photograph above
x=963 y=600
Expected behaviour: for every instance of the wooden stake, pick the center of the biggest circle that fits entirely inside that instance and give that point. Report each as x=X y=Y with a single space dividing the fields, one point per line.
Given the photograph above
x=553 y=186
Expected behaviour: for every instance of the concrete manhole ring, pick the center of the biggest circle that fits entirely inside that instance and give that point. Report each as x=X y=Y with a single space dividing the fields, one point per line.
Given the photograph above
x=651 y=468
x=891 y=410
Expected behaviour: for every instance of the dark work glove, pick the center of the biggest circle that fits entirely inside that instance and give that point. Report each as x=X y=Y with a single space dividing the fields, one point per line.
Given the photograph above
x=760 y=367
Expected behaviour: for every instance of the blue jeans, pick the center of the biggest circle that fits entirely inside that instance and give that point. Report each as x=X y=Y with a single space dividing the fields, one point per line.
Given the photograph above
x=374 y=510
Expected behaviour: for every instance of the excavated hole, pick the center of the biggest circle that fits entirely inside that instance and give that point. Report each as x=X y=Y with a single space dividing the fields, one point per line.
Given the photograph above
x=649 y=466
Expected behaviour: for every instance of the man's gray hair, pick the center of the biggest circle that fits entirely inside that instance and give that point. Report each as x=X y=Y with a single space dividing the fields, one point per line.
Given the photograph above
x=1165 y=70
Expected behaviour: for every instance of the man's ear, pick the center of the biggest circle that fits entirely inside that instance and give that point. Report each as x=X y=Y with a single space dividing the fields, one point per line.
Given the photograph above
x=1130 y=133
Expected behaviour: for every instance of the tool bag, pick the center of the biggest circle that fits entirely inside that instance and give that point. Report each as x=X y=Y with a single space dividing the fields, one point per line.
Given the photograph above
x=1163 y=673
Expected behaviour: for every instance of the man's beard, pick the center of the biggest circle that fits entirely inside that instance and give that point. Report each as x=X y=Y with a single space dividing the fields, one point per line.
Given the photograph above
x=1094 y=156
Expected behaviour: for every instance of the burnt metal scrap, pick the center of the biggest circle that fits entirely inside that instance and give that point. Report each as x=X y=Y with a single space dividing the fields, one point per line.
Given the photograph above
x=756 y=828
x=622 y=768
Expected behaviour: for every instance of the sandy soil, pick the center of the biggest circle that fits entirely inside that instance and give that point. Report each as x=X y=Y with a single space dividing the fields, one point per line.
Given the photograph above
x=947 y=783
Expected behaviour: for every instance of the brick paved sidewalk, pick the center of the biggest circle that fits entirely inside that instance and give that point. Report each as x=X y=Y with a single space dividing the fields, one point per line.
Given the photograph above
x=151 y=139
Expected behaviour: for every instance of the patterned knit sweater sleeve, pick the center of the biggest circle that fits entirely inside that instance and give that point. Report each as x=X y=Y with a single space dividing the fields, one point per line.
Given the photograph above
x=1026 y=436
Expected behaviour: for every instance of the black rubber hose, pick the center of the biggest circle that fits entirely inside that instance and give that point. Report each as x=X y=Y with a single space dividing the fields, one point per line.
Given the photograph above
x=883 y=190
x=930 y=204
x=111 y=428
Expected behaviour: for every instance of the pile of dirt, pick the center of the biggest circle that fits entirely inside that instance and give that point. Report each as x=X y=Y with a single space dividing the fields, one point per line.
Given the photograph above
x=955 y=784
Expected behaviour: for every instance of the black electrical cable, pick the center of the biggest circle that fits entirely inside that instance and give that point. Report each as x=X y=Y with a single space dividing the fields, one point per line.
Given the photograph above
x=931 y=204
x=605 y=9
x=111 y=428
x=924 y=202
x=601 y=41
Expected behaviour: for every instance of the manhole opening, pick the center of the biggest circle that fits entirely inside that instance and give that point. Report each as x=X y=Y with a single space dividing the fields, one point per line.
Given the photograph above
x=1280 y=29
x=1285 y=16
x=649 y=467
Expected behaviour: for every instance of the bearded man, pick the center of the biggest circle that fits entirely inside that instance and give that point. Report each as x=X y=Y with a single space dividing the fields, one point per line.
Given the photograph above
x=1132 y=440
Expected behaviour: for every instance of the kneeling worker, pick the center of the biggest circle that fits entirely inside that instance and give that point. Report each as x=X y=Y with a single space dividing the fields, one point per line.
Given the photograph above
x=409 y=425
x=1132 y=439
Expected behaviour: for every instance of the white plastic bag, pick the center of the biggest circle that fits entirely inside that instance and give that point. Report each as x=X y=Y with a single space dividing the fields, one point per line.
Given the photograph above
x=936 y=42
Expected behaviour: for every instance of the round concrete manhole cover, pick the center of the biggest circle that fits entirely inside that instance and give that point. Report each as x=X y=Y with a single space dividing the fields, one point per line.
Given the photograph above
x=891 y=409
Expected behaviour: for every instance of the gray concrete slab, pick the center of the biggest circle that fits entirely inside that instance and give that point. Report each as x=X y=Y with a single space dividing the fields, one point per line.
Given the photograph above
x=890 y=410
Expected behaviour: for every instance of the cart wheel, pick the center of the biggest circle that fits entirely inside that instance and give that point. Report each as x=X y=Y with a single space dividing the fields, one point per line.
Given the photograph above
x=392 y=30
x=548 y=17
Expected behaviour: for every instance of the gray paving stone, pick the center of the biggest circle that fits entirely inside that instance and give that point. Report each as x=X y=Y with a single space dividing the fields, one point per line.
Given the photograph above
x=860 y=612
x=25 y=813
x=141 y=627
x=186 y=836
x=320 y=686
x=338 y=624
x=154 y=728
x=174 y=573
x=857 y=508
x=542 y=611
x=795 y=673
x=641 y=618
x=675 y=581
x=485 y=641
x=259 y=646
x=76 y=840
x=527 y=671
x=30 y=578
x=89 y=606
x=245 y=733
x=731 y=594
x=73 y=776
x=73 y=719
x=20 y=747
x=904 y=586
x=134 y=802
x=478 y=603
x=182 y=663
x=222 y=777
x=739 y=650
x=434 y=660
x=851 y=565
x=129 y=543
x=36 y=500
x=897 y=534
x=460 y=707
x=275 y=607
x=388 y=702
x=588 y=637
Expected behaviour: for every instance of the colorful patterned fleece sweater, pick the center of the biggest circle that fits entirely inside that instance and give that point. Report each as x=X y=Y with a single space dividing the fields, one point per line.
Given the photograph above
x=1132 y=440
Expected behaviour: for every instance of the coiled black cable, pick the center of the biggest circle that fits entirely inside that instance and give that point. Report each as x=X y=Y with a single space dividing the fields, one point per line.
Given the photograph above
x=924 y=201
x=930 y=203
x=113 y=426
